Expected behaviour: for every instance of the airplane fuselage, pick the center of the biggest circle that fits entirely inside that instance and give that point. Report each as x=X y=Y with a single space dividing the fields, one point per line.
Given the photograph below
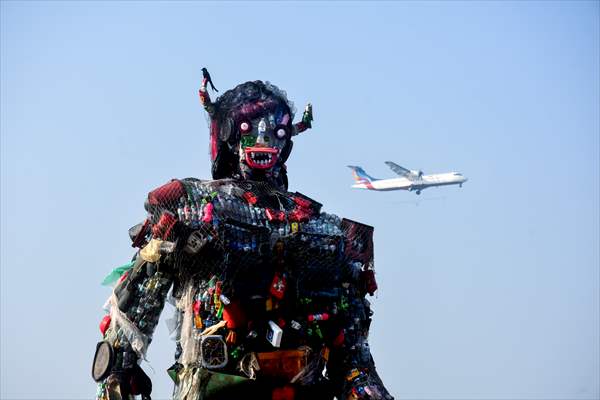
x=425 y=181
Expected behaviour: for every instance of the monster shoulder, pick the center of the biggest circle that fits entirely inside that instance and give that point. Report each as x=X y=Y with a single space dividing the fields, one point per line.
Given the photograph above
x=193 y=202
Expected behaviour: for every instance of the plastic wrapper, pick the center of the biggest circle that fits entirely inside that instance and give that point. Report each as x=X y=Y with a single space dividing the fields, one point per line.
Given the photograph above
x=189 y=340
x=134 y=336
x=116 y=274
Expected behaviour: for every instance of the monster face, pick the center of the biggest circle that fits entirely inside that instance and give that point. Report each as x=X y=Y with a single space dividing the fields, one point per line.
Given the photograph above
x=262 y=140
x=251 y=129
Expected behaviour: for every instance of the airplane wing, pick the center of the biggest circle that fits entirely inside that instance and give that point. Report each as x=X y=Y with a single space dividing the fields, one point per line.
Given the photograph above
x=406 y=173
x=398 y=169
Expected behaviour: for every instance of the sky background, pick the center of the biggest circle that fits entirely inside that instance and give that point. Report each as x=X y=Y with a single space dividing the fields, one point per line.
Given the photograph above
x=486 y=292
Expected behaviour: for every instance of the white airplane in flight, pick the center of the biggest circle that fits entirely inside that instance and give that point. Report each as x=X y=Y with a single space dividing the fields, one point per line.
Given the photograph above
x=409 y=180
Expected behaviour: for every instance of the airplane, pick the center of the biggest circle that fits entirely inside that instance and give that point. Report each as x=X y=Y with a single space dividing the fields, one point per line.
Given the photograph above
x=411 y=180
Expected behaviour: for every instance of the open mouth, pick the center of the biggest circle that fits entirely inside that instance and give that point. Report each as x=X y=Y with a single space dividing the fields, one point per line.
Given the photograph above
x=261 y=157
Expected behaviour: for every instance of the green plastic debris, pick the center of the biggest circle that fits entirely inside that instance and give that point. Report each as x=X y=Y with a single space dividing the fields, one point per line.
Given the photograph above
x=173 y=371
x=307 y=116
x=219 y=382
x=116 y=273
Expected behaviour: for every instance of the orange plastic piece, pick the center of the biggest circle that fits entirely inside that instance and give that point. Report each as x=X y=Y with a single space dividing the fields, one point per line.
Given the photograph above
x=352 y=374
x=198 y=322
x=325 y=353
x=282 y=364
x=231 y=338
x=269 y=304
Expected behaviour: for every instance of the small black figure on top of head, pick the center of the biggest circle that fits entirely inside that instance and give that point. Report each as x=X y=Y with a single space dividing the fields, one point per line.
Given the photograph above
x=206 y=76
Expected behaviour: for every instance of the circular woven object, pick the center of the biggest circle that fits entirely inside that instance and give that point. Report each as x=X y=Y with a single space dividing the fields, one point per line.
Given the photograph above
x=103 y=361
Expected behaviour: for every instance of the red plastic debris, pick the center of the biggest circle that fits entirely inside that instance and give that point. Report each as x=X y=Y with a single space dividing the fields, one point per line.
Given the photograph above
x=203 y=97
x=104 y=324
x=301 y=202
x=140 y=238
x=339 y=339
x=133 y=386
x=197 y=307
x=233 y=315
x=165 y=224
x=278 y=286
x=122 y=278
x=208 y=213
x=250 y=198
x=270 y=213
x=301 y=127
x=368 y=278
x=273 y=215
x=284 y=393
x=299 y=215
x=169 y=193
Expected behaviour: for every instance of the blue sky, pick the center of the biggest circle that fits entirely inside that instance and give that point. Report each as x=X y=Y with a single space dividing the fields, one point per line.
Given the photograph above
x=486 y=292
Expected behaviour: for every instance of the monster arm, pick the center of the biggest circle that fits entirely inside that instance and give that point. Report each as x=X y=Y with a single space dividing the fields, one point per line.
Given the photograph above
x=351 y=366
x=306 y=122
x=135 y=307
x=356 y=371
x=139 y=297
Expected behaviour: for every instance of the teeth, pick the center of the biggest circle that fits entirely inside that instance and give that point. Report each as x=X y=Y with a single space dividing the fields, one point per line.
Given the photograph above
x=261 y=158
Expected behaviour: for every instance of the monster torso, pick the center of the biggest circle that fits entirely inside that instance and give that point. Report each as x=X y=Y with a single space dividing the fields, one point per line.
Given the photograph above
x=265 y=268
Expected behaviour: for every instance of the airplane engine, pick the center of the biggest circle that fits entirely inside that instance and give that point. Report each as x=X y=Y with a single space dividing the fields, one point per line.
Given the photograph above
x=418 y=173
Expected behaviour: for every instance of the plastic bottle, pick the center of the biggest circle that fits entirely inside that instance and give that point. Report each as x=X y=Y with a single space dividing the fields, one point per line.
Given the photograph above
x=180 y=209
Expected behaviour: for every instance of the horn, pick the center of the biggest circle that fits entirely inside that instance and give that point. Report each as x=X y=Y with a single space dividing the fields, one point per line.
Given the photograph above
x=306 y=123
x=208 y=105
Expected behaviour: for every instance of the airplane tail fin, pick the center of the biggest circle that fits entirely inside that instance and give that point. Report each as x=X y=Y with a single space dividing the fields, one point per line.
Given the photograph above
x=360 y=176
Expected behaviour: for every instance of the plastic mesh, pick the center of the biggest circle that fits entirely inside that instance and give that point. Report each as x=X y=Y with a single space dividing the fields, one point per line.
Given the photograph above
x=263 y=255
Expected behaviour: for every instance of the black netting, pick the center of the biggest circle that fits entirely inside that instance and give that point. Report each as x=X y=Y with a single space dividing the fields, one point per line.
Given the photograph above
x=267 y=254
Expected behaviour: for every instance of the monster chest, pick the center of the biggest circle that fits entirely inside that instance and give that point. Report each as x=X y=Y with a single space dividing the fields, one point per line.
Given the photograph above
x=249 y=232
x=251 y=239
x=255 y=263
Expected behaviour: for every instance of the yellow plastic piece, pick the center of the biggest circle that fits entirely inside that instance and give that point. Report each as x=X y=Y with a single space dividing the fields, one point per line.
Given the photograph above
x=211 y=330
x=151 y=252
x=352 y=374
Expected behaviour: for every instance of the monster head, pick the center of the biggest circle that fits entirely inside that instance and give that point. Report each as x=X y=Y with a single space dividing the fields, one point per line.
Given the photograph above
x=251 y=132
